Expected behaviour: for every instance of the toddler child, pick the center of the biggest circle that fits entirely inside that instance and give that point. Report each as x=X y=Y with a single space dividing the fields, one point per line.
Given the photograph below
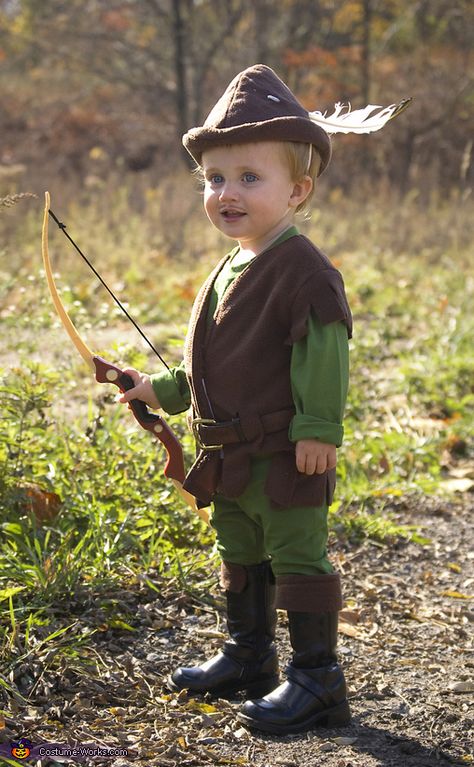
x=266 y=373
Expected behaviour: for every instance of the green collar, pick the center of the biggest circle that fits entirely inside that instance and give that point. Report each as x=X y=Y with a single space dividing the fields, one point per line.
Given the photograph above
x=292 y=231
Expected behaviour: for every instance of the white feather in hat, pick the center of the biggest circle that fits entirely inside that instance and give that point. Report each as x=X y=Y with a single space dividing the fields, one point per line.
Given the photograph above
x=358 y=121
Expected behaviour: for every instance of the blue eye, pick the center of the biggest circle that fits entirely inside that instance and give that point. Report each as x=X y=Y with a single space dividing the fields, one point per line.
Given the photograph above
x=216 y=178
x=249 y=178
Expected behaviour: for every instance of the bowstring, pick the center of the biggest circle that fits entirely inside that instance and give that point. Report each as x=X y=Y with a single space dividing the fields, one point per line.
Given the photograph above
x=111 y=293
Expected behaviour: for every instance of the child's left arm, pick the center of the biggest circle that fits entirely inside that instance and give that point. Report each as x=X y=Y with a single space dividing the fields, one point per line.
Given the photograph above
x=319 y=380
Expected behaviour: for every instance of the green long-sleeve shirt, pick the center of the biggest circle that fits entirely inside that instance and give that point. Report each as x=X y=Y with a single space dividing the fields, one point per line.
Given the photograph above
x=319 y=368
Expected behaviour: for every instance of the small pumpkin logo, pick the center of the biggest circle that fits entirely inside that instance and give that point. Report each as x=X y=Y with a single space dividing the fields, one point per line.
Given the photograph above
x=21 y=749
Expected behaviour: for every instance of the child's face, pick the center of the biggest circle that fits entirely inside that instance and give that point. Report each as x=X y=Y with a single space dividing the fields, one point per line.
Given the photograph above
x=248 y=193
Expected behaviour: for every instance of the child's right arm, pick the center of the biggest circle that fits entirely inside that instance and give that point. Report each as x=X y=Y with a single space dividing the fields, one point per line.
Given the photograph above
x=168 y=390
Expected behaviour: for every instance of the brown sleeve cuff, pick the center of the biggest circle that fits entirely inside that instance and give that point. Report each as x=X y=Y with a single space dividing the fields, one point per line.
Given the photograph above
x=309 y=593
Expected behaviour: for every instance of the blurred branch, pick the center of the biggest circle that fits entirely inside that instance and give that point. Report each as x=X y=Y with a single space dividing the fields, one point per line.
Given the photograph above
x=445 y=116
x=155 y=6
x=203 y=62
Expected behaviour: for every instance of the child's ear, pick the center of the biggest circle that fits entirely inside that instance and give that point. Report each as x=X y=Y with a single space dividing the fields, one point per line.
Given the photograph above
x=301 y=190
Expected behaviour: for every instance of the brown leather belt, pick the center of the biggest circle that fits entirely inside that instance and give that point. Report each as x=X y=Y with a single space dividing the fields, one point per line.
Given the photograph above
x=213 y=435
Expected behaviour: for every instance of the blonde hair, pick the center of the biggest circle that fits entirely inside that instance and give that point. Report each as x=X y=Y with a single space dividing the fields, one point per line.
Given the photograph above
x=303 y=160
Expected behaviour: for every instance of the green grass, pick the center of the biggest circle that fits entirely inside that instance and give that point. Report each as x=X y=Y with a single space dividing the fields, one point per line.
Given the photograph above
x=64 y=439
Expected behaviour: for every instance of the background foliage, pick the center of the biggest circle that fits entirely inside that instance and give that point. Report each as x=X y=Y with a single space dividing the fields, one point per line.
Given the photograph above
x=89 y=87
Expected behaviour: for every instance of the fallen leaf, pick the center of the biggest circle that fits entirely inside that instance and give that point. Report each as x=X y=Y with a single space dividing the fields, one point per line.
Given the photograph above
x=162 y=623
x=210 y=633
x=35 y=500
x=457 y=485
x=344 y=741
x=461 y=687
x=456 y=595
x=203 y=708
x=327 y=747
x=349 y=616
x=348 y=630
x=461 y=472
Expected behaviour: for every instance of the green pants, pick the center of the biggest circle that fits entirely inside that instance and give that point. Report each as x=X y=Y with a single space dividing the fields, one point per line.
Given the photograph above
x=249 y=530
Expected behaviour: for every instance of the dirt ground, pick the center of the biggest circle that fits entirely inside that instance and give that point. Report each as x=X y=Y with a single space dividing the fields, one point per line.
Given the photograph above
x=404 y=644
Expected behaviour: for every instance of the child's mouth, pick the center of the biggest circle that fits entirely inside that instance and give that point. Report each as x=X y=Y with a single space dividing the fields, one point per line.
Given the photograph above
x=232 y=215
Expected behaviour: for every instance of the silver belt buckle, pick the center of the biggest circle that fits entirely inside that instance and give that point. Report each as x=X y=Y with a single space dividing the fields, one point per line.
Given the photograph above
x=209 y=422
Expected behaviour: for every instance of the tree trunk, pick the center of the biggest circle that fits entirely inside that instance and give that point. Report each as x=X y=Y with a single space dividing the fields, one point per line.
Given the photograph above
x=179 y=34
x=365 y=64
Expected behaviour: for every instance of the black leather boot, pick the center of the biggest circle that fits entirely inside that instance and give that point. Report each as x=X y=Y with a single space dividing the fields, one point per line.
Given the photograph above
x=248 y=660
x=315 y=691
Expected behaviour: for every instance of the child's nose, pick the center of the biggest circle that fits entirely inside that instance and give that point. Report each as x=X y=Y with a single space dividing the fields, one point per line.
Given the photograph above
x=228 y=191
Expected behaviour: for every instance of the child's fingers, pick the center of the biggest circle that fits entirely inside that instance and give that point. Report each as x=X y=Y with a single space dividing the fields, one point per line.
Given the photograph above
x=300 y=459
x=332 y=462
x=321 y=464
x=142 y=391
x=135 y=375
x=314 y=458
x=135 y=391
x=128 y=395
x=306 y=461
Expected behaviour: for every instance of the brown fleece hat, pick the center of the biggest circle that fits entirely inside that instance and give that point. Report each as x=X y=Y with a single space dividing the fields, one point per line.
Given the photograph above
x=257 y=106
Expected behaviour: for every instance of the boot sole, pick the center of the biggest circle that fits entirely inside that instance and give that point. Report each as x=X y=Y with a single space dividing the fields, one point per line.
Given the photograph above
x=257 y=689
x=338 y=716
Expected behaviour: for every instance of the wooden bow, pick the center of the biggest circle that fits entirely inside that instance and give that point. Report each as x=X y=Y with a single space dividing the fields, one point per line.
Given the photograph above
x=106 y=372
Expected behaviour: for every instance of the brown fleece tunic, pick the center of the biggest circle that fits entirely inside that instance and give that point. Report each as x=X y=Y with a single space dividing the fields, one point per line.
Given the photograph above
x=240 y=367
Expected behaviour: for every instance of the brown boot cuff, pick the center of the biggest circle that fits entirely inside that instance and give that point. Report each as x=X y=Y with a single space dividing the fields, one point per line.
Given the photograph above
x=309 y=593
x=233 y=577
